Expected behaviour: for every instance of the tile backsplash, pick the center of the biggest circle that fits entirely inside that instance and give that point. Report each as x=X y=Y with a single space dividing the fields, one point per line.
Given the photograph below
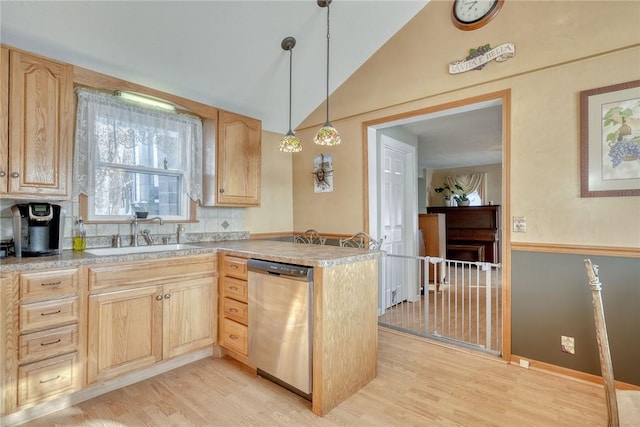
x=210 y=220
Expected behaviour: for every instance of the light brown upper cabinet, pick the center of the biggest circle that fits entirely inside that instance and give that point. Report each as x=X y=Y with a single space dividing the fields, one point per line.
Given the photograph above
x=36 y=126
x=238 y=160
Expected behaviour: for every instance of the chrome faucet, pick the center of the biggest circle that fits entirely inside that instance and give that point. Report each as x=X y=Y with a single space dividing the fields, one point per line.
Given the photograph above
x=134 y=227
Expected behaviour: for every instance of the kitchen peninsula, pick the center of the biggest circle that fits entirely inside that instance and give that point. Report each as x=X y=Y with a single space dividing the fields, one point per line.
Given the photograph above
x=344 y=326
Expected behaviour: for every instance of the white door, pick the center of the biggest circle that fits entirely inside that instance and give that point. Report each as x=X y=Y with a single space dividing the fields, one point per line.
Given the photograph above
x=398 y=207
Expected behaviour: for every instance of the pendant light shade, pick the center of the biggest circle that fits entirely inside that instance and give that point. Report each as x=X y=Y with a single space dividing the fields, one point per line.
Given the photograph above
x=327 y=134
x=290 y=143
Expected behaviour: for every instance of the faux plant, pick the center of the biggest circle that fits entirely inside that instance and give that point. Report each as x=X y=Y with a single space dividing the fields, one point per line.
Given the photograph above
x=447 y=192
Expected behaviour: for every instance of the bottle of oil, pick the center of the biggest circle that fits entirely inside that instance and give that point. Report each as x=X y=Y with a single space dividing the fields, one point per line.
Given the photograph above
x=79 y=236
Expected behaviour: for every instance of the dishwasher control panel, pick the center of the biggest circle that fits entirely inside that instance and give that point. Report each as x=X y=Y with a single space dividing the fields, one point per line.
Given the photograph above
x=270 y=267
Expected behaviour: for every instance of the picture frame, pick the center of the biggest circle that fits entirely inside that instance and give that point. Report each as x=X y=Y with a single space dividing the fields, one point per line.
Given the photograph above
x=610 y=141
x=323 y=173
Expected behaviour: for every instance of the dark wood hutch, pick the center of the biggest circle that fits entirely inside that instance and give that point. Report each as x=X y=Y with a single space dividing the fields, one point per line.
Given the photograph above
x=473 y=232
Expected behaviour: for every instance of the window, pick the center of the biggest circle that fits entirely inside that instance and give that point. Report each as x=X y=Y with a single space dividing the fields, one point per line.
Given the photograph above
x=474 y=185
x=131 y=157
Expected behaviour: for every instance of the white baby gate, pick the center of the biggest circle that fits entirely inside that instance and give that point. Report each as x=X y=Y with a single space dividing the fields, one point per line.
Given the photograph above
x=455 y=301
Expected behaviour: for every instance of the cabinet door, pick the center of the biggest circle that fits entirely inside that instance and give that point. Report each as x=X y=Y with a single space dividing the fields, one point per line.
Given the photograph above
x=189 y=315
x=238 y=160
x=4 y=118
x=125 y=331
x=8 y=342
x=41 y=117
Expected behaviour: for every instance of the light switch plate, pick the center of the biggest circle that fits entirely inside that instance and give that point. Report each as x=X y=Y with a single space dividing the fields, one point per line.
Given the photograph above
x=519 y=224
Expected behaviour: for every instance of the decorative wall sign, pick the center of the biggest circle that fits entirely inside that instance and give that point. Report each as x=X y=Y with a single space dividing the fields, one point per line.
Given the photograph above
x=479 y=56
x=610 y=140
x=323 y=173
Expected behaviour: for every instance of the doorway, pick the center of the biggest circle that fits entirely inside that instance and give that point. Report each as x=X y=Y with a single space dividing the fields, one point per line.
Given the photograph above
x=377 y=130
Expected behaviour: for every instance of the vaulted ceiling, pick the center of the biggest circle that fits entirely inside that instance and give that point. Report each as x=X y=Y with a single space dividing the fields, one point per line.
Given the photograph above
x=222 y=53
x=228 y=54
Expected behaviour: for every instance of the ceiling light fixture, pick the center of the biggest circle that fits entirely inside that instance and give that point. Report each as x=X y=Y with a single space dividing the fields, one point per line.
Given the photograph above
x=327 y=134
x=142 y=99
x=290 y=143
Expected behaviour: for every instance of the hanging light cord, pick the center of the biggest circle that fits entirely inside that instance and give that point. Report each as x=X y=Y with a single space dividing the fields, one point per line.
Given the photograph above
x=290 y=74
x=327 y=122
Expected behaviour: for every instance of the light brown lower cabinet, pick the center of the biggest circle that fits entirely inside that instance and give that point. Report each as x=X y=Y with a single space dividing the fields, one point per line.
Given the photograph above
x=234 y=310
x=135 y=327
x=42 y=324
x=65 y=329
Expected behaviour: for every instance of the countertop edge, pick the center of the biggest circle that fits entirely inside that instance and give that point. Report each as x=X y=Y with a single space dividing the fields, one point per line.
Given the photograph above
x=286 y=252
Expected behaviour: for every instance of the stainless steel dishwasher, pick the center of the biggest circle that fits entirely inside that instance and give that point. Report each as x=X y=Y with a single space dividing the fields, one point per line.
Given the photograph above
x=280 y=316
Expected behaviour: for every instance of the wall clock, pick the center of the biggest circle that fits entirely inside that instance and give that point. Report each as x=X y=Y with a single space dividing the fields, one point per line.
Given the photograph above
x=470 y=15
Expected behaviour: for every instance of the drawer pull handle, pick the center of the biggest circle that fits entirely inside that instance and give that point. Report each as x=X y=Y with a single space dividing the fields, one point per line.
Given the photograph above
x=233 y=310
x=58 y=283
x=233 y=288
x=233 y=337
x=51 y=342
x=50 y=379
x=233 y=267
x=49 y=314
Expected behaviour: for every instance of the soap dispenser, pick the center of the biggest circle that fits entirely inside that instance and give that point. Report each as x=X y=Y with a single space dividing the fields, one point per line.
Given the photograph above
x=79 y=236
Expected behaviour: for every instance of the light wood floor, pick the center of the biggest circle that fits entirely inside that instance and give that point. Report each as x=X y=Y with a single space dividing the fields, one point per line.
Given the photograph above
x=419 y=383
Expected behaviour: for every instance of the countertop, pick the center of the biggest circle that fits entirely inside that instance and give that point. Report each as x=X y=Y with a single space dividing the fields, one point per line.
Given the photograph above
x=287 y=252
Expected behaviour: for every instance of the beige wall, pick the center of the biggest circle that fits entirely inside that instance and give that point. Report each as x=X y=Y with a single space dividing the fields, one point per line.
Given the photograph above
x=276 y=209
x=561 y=49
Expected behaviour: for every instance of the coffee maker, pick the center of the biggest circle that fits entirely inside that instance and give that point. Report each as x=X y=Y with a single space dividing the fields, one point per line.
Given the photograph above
x=38 y=229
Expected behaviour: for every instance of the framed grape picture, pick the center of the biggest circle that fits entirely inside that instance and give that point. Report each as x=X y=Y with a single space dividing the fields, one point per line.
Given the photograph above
x=610 y=141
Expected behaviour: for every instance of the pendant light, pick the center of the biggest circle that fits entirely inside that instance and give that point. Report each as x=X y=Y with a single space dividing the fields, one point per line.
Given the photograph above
x=290 y=143
x=327 y=134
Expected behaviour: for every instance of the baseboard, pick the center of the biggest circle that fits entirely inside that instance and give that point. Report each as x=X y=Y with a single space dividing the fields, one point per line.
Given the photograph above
x=92 y=391
x=567 y=372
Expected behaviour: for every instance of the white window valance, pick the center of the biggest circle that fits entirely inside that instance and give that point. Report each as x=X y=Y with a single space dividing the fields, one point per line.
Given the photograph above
x=101 y=115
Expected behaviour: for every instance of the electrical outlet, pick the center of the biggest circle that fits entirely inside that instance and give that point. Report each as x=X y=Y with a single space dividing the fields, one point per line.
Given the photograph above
x=519 y=224
x=567 y=345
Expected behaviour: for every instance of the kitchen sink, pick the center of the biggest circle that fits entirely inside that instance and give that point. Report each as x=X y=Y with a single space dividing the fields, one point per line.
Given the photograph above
x=139 y=249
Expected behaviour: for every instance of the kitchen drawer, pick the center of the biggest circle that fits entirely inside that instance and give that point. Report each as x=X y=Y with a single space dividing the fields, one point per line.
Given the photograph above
x=48 y=313
x=39 y=380
x=234 y=288
x=48 y=284
x=235 y=310
x=47 y=343
x=234 y=336
x=234 y=267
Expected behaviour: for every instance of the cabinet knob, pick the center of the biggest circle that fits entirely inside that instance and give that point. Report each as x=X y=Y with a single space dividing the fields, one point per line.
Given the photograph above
x=167 y=296
x=14 y=174
x=222 y=190
x=159 y=297
x=3 y=174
